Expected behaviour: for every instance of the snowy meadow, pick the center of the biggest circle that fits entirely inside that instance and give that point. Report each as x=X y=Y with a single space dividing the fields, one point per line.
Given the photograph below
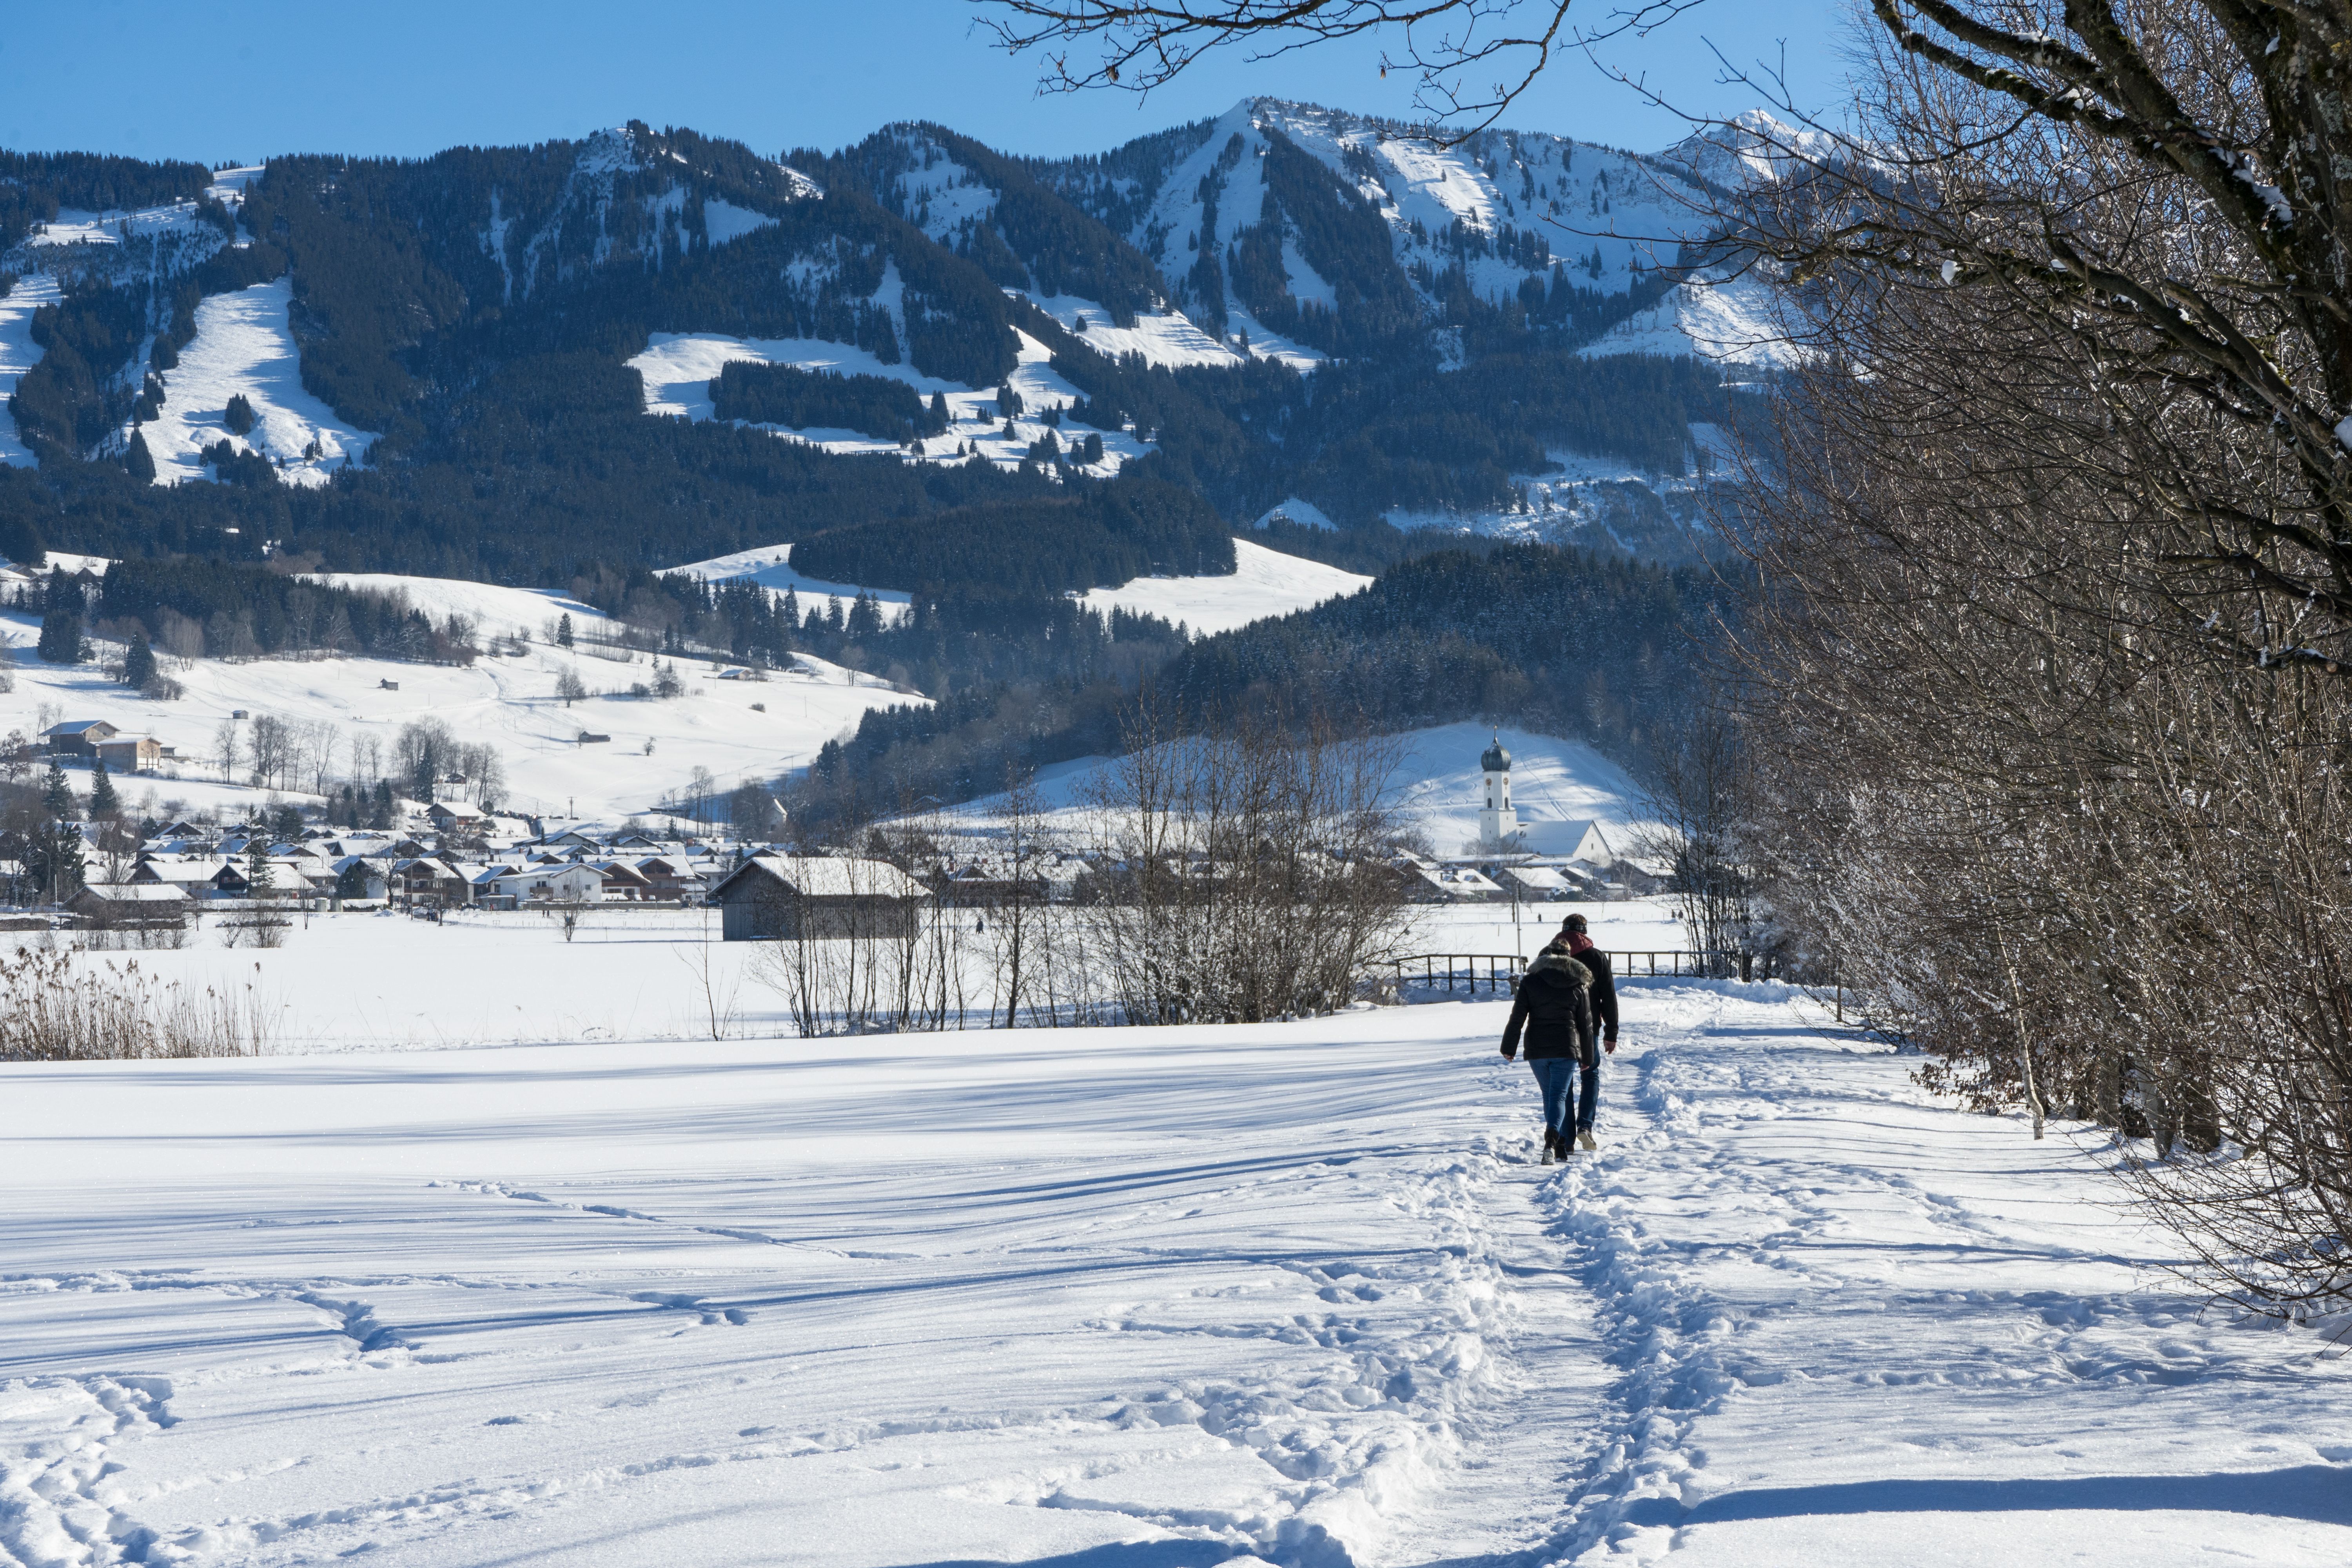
x=1295 y=1293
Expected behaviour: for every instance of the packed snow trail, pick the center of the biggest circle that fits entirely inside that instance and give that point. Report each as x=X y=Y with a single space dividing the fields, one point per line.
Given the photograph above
x=1126 y=1298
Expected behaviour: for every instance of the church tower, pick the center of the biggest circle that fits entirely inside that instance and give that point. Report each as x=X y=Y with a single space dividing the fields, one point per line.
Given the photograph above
x=1499 y=820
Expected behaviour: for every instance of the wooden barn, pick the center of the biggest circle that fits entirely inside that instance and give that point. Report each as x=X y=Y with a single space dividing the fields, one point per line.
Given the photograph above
x=792 y=897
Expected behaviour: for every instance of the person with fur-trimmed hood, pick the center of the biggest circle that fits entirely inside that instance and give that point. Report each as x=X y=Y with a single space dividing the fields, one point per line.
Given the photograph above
x=1553 y=1012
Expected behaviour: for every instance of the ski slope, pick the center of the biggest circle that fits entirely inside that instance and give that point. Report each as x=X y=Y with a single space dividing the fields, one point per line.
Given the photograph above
x=1290 y=1294
x=244 y=347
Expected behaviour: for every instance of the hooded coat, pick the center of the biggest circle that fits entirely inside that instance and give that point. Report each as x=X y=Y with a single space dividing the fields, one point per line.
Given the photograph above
x=1553 y=1009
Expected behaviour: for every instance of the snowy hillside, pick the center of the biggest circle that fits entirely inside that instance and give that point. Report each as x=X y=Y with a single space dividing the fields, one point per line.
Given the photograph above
x=1606 y=216
x=679 y=368
x=1730 y=320
x=19 y=353
x=770 y=567
x=244 y=347
x=1264 y=583
x=1437 y=788
x=1552 y=781
x=509 y=702
x=1283 y=1294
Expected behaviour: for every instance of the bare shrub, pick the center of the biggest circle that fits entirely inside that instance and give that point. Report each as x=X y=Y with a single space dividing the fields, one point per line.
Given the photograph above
x=55 y=1006
x=1245 y=870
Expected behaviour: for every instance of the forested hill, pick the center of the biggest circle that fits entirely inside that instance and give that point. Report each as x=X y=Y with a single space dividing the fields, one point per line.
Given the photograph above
x=927 y=366
x=1276 y=306
x=1566 y=641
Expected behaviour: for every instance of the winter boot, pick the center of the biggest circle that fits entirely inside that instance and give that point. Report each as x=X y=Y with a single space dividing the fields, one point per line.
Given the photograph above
x=1584 y=1138
x=1550 y=1141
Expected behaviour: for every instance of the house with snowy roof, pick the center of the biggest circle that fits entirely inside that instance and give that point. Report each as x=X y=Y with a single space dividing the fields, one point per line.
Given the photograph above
x=78 y=737
x=792 y=898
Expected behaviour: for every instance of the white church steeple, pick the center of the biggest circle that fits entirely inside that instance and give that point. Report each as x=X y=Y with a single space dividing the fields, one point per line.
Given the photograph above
x=1499 y=820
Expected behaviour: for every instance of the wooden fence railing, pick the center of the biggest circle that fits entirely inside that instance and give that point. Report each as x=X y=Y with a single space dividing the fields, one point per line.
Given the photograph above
x=1500 y=972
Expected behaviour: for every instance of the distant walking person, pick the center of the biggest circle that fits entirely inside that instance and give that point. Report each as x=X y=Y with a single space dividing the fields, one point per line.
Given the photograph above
x=1554 y=1011
x=1604 y=1009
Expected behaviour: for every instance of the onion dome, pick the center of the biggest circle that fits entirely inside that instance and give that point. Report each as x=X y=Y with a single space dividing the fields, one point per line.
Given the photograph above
x=1495 y=760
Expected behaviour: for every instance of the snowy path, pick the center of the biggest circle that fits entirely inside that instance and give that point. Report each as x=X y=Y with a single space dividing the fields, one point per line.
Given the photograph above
x=1111 y=1300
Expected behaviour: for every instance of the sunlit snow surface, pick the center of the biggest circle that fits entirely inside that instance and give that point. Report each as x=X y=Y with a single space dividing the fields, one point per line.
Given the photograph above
x=770 y=567
x=1734 y=321
x=677 y=368
x=509 y=702
x=19 y=353
x=244 y=346
x=1264 y=583
x=1136 y=1299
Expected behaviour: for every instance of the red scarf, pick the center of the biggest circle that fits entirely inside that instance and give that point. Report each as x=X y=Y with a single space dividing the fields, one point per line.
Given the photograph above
x=1578 y=944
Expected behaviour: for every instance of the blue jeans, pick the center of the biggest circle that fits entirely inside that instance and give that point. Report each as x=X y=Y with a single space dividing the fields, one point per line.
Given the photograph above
x=1556 y=1077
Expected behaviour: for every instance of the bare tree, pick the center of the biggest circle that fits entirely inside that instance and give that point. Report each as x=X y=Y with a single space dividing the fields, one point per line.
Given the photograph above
x=2050 y=708
x=1698 y=794
x=1472 y=58
x=1246 y=869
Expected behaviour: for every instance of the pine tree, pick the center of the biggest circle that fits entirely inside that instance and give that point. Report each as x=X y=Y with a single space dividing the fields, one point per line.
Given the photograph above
x=138 y=664
x=865 y=616
x=239 y=417
x=563 y=630
x=381 y=816
x=61 y=640
x=139 y=460
x=57 y=794
x=103 y=802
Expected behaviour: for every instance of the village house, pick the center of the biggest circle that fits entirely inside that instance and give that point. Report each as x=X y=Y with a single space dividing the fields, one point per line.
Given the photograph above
x=77 y=738
x=424 y=882
x=531 y=886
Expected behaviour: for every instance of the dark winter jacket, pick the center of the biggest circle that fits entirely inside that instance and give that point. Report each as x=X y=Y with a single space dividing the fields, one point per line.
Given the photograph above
x=1604 y=991
x=1554 y=1008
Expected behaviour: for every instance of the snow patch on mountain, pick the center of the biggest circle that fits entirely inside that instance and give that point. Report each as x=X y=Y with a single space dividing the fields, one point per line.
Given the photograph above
x=1263 y=342
x=1170 y=338
x=1263 y=584
x=771 y=566
x=677 y=368
x=243 y=346
x=1292 y=509
x=724 y=221
x=19 y=353
x=940 y=196
x=1732 y=320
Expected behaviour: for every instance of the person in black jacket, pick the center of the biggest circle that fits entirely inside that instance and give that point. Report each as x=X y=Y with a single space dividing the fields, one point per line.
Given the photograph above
x=1554 y=1012
x=1604 y=1009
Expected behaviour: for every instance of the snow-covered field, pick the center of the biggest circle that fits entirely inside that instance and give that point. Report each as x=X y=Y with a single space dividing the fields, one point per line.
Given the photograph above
x=509 y=702
x=244 y=346
x=1264 y=583
x=1117 y=1299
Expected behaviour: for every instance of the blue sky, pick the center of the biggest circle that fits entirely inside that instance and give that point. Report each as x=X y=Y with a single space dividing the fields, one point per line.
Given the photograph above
x=263 y=77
